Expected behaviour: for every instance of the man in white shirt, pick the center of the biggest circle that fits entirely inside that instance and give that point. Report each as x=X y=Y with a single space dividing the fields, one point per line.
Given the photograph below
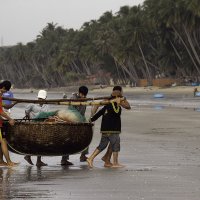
x=31 y=111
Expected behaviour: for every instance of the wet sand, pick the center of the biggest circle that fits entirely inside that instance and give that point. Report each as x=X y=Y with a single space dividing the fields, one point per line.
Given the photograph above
x=160 y=148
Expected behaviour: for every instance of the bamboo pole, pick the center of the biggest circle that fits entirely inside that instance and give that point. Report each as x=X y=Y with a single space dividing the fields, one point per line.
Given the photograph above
x=45 y=101
x=79 y=101
x=92 y=103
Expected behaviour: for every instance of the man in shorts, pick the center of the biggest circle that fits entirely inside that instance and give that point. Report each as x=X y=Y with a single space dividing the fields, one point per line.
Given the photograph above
x=110 y=128
x=4 y=87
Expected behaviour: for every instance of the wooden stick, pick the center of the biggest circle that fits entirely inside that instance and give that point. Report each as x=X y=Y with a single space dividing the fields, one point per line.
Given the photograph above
x=45 y=101
x=92 y=103
x=74 y=103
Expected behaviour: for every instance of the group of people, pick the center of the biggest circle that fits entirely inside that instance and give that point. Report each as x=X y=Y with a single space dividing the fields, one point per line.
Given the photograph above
x=33 y=110
x=110 y=126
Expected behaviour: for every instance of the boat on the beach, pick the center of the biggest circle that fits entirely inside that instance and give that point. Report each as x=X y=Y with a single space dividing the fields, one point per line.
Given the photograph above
x=158 y=95
x=48 y=138
x=52 y=138
x=197 y=94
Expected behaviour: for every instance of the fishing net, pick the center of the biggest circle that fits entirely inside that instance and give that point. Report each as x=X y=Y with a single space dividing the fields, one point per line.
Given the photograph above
x=45 y=115
x=70 y=115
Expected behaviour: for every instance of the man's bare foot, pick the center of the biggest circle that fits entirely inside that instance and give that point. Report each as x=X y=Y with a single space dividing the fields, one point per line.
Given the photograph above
x=40 y=164
x=90 y=163
x=12 y=164
x=108 y=164
x=104 y=159
x=3 y=163
x=117 y=166
x=28 y=159
x=83 y=158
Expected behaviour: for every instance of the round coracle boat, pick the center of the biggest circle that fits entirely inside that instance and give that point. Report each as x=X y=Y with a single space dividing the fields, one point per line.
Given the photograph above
x=48 y=138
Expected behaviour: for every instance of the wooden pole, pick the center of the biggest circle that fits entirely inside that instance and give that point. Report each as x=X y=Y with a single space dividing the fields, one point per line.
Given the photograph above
x=53 y=100
x=92 y=103
x=79 y=101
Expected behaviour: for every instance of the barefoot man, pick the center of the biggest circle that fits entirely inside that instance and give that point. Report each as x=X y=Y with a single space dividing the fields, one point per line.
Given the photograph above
x=110 y=129
x=4 y=87
x=31 y=111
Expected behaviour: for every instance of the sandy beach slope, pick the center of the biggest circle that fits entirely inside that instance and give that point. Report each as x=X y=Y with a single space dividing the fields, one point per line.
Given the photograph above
x=107 y=89
x=160 y=149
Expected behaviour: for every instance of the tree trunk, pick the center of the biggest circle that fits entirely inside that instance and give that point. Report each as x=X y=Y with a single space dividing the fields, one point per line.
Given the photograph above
x=149 y=78
x=191 y=45
x=188 y=51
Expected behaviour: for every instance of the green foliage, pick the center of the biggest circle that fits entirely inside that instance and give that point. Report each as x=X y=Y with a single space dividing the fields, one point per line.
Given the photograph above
x=72 y=77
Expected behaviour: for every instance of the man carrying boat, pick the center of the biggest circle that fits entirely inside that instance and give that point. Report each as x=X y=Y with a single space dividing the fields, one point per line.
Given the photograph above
x=4 y=87
x=82 y=93
x=7 y=103
x=31 y=111
x=110 y=129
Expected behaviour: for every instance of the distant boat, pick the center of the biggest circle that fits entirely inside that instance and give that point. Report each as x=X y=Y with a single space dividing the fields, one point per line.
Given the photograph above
x=197 y=94
x=158 y=95
x=195 y=84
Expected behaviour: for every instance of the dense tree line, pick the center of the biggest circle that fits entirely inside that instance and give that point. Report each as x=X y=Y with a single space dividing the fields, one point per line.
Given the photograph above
x=160 y=38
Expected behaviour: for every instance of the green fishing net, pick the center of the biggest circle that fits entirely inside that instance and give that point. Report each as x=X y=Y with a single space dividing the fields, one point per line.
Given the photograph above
x=44 y=115
x=80 y=117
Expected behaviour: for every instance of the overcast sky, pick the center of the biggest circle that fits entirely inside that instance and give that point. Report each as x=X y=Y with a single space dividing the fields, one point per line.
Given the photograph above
x=23 y=20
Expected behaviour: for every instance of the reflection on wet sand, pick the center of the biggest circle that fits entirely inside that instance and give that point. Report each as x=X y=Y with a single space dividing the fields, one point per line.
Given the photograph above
x=159 y=148
x=25 y=182
x=14 y=184
x=4 y=182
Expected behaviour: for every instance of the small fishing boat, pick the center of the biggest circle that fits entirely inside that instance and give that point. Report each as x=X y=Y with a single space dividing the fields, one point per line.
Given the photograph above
x=197 y=94
x=48 y=138
x=158 y=95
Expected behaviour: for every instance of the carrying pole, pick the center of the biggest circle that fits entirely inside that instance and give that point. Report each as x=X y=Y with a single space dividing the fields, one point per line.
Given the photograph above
x=75 y=102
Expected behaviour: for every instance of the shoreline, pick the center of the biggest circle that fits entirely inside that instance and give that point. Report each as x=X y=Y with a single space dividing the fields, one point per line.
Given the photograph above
x=108 y=89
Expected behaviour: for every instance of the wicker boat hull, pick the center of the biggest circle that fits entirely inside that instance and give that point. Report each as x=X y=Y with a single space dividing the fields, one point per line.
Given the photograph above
x=48 y=139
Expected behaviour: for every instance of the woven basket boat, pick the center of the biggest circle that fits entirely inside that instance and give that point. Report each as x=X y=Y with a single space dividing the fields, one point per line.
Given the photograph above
x=48 y=139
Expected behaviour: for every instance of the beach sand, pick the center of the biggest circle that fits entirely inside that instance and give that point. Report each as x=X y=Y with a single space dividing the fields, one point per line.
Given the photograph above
x=107 y=89
x=161 y=151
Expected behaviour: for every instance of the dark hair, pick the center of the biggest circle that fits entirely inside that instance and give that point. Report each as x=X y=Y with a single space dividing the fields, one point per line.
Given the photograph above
x=117 y=88
x=83 y=90
x=6 y=85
